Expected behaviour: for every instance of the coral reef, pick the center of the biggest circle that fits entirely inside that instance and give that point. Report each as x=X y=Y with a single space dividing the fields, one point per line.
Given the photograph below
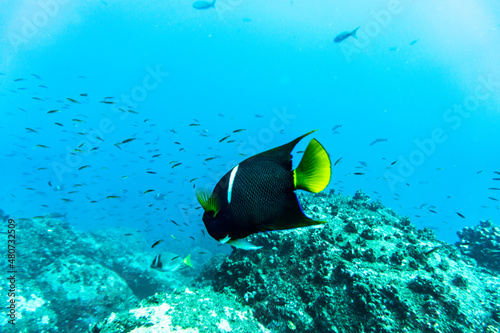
x=70 y=279
x=366 y=270
x=482 y=243
x=191 y=310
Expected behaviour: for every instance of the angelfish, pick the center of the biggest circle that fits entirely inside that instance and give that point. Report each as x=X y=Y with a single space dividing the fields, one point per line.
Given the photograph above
x=258 y=194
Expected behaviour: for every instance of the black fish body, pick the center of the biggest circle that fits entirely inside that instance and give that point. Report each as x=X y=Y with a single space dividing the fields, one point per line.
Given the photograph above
x=257 y=181
x=258 y=194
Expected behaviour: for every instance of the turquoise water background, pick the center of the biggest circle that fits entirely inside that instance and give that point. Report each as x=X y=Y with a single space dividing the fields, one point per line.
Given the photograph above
x=424 y=75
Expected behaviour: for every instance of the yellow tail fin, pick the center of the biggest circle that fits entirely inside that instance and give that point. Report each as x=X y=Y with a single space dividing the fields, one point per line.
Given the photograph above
x=187 y=260
x=314 y=170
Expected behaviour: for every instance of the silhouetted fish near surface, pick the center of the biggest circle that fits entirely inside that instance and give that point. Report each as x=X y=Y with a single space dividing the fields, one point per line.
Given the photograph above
x=346 y=34
x=258 y=194
x=377 y=140
x=203 y=4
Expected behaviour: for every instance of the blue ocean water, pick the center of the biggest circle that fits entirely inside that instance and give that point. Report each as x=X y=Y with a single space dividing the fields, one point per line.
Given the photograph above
x=423 y=76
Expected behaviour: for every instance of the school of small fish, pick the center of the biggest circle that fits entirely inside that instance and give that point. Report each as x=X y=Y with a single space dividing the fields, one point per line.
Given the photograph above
x=84 y=153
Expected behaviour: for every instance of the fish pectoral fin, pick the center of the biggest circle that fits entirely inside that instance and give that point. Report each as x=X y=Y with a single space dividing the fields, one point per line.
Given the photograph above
x=292 y=222
x=291 y=216
x=208 y=201
x=225 y=239
x=314 y=170
x=243 y=244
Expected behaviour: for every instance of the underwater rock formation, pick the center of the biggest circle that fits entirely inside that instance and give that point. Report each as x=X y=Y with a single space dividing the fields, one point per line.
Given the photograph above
x=367 y=270
x=482 y=243
x=192 y=310
x=70 y=279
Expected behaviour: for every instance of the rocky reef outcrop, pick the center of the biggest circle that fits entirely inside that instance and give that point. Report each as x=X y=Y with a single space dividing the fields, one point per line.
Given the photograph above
x=191 y=310
x=68 y=279
x=366 y=269
x=482 y=243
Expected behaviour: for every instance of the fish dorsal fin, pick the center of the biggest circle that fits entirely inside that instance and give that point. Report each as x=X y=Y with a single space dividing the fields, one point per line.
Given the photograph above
x=208 y=201
x=314 y=170
x=157 y=262
x=243 y=244
x=160 y=265
x=282 y=153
